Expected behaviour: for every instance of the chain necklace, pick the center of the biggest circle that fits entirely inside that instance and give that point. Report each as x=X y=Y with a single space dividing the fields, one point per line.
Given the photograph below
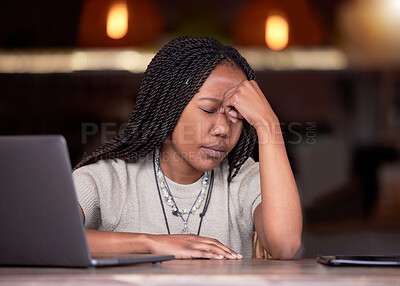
x=170 y=201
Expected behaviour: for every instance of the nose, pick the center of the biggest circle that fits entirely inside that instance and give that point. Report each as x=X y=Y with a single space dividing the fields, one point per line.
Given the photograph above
x=221 y=126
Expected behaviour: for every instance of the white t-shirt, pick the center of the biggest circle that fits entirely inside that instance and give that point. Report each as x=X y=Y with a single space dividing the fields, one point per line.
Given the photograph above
x=122 y=196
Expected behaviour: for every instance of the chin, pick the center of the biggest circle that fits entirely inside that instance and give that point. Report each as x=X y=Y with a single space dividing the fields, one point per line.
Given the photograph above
x=208 y=164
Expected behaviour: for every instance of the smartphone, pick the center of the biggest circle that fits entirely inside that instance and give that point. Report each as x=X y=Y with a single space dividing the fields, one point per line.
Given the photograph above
x=359 y=260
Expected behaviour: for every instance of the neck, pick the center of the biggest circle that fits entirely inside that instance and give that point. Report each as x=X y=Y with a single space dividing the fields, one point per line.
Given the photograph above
x=176 y=168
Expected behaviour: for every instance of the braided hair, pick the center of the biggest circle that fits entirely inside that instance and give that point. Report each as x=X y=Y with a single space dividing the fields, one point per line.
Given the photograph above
x=172 y=78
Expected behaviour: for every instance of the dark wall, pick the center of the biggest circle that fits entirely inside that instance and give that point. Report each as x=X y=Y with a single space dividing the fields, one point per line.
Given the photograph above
x=42 y=23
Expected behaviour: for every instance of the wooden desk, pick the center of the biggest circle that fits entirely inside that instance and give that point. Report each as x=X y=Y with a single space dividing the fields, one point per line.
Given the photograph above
x=206 y=272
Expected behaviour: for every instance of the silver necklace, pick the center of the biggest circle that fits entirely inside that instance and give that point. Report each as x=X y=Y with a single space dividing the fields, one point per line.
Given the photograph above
x=169 y=199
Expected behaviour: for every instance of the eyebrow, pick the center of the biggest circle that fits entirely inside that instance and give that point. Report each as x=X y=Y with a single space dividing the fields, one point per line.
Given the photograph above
x=211 y=99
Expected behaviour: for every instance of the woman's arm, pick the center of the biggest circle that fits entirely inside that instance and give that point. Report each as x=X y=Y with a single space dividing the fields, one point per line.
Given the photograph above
x=278 y=218
x=181 y=246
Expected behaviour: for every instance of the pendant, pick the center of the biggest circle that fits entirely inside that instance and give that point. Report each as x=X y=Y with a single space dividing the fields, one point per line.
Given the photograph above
x=186 y=230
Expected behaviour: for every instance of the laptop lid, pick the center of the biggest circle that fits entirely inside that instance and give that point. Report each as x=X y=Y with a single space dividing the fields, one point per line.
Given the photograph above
x=39 y=214
x=40 y=219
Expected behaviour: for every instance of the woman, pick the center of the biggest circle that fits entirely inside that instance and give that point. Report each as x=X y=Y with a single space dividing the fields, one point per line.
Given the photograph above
x=179 y=178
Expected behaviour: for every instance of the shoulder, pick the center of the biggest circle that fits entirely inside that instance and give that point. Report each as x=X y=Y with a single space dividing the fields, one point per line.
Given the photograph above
x=110 y=170
x=250 y=170
x=102 y=167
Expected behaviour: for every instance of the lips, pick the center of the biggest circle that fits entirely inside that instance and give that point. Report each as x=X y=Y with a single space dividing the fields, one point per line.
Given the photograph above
x=215 y=151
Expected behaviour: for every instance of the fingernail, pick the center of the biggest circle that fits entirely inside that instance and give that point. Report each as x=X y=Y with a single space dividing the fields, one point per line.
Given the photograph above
x=240 y=255
x=234 y=255
x=220 y=256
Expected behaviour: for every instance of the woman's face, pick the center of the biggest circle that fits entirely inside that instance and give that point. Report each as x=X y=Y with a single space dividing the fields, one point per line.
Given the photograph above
x=204 y=135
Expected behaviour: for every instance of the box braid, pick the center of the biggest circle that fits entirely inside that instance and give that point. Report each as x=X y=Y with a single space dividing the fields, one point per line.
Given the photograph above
x=172 y=78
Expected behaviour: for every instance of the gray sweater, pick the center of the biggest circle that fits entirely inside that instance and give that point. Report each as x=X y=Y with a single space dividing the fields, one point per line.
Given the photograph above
x=123 y=197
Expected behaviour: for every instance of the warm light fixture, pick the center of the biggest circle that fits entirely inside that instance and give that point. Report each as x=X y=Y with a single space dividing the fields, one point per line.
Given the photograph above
x=117 y=20
x=276 y=32
x=370 y=31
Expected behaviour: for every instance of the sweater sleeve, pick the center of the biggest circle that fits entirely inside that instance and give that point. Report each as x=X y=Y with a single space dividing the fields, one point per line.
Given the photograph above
x=102 y=189
x=246 y=189
x=88 y=196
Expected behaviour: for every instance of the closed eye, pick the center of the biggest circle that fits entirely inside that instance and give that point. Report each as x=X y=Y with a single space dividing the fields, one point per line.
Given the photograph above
x=208 y=111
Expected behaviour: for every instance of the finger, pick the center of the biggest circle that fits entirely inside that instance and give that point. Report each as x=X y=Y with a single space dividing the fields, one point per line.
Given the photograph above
x=215 y=247
x=233 y=119
x=206 y=254
x=218 y=244
x=217 y=251
x=229 y=98
x=230 y=112
x=233 y=113
x=230 y=106
x=230 y=92
x=222 y=110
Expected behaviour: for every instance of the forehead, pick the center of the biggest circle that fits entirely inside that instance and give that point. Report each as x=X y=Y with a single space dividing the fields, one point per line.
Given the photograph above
x=224 y=77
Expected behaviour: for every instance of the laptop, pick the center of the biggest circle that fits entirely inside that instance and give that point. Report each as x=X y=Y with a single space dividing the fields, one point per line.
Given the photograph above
x=358 y=260
x=40 y=219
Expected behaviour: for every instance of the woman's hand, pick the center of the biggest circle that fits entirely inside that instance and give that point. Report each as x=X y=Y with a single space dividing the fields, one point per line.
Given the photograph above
x=246 y=100
x=187 y=246
x=182 y=246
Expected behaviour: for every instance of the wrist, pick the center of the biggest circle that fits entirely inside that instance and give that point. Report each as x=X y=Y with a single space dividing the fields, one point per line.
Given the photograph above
x=269 y=131
x=267 y=123
x=149 y=242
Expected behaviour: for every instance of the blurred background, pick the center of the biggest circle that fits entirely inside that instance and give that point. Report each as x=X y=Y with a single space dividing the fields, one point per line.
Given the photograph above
x=330 y=69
